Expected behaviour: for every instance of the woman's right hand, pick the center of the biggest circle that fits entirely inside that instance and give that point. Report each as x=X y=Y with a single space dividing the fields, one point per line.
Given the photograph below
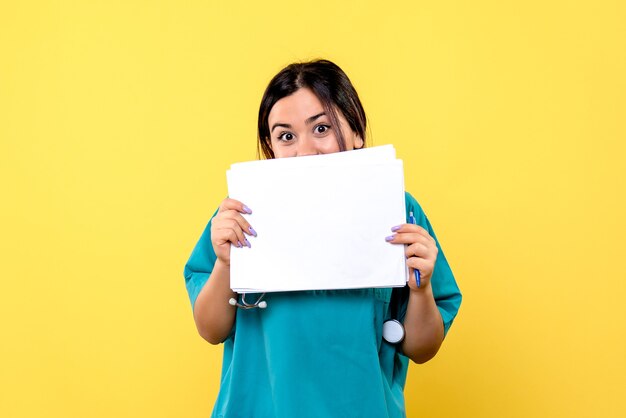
x=228 y=227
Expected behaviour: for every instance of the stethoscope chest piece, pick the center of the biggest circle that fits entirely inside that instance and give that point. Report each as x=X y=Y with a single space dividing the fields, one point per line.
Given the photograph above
x=393 y=331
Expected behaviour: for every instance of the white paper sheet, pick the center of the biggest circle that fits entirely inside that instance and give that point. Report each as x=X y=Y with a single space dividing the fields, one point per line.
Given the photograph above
x=380 y=153
x=321 y=222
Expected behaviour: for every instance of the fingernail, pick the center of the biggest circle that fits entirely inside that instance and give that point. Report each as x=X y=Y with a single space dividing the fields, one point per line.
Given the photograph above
x=239 y=244
x=248 y=244
x=395 y=228
x=247 y=209
x=390 y=237
x=252 y=231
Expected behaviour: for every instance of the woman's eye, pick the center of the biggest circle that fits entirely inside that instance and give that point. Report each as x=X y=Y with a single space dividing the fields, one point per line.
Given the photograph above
x=320 y=129
x=285 y=136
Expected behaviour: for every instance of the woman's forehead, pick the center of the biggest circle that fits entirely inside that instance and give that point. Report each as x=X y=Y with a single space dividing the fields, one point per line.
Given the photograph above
x=301 y=104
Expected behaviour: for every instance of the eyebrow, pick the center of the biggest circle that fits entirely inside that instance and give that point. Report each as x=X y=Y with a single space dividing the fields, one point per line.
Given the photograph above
x=308 y=121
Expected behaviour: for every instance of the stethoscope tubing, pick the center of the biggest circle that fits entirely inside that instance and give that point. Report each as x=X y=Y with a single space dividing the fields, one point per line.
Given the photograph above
x=259 y=303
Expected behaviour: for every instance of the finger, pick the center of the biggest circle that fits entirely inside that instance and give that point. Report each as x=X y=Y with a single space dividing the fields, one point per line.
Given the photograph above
x=418 y=250
x=241 y=221
x=424 y=266
x=223 y=236
x=232 y=224
x=232 y=204
x=410 y=228
x=409 y=238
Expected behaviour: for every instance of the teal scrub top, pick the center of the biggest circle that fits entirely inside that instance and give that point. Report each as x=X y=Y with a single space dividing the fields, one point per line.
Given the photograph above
x=317 y=353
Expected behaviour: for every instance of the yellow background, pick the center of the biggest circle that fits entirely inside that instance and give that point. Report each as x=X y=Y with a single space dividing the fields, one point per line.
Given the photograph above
x=118 y=120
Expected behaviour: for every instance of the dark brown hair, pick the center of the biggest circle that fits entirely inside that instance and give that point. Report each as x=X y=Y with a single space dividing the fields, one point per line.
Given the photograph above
x=331 y=86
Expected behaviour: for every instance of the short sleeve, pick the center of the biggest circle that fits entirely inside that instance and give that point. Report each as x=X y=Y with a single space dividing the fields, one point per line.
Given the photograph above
x=445 y=289
x=200 y=264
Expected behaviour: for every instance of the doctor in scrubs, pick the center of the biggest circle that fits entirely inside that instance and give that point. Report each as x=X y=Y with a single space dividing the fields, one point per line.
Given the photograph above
x=317 y=353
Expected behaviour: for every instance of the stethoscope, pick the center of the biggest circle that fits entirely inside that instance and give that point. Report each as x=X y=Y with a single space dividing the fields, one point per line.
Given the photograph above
x=259 y=303
x=393 y=330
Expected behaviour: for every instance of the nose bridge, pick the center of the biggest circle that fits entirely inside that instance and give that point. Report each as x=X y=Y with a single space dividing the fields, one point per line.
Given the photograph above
x=306 y=146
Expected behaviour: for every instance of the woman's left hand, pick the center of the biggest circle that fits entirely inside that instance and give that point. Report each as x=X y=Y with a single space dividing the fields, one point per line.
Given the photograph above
x=421 y=252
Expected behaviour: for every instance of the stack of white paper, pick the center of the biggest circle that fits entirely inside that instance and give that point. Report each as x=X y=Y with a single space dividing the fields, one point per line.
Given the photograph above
x=321 y=222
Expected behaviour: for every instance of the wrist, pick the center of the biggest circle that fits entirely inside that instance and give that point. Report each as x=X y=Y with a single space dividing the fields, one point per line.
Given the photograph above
x=222 y=265
x=425 y=288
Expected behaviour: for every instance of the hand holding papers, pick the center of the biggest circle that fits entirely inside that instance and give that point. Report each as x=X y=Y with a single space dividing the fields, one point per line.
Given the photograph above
x=321 y=222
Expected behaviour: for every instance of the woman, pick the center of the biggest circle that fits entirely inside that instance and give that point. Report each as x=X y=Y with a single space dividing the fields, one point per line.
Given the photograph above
x=317 y=353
